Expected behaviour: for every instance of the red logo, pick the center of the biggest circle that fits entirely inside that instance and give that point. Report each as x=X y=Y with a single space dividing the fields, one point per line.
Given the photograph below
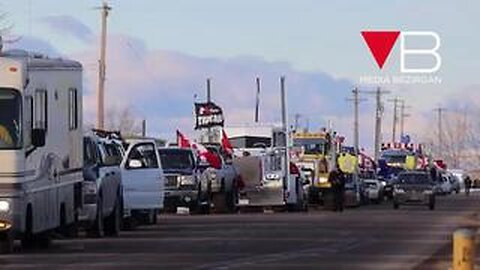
x=380 y=44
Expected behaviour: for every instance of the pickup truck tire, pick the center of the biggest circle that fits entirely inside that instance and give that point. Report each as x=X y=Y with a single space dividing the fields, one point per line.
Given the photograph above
x=6 y=242
x=113 y=222
x=97 y=228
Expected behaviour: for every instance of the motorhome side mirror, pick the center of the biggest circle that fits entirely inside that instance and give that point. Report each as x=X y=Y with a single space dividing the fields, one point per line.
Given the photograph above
x=38 y=137
x=134 y=164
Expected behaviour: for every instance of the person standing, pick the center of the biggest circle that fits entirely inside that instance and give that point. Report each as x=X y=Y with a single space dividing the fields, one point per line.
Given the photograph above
x=468 y=185
x=337 y=180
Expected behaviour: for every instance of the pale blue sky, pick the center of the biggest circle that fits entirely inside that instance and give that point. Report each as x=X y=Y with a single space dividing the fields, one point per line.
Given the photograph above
x=315 y=42
x=311 y=34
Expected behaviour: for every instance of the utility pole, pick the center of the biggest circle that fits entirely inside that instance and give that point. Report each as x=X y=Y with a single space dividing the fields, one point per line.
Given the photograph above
x=285 y=127
x=356 y=125
x=396 y=102
x=356 y=133
x=209 y=99
x=297 y=119
x=403 y=115
x=102 y=68
x=144 y=128
x=378 y=119
x=440 y=112
x=257 y=104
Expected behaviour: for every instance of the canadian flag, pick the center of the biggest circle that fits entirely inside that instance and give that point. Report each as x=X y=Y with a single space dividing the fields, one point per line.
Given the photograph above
x=182 y=140
x=226 y=145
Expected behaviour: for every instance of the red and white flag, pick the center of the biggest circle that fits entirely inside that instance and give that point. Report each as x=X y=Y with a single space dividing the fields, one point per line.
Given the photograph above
x=226 y=145
x=182 y=140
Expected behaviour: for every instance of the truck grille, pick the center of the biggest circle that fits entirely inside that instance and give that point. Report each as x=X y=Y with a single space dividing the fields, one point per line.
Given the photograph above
x=171 y=181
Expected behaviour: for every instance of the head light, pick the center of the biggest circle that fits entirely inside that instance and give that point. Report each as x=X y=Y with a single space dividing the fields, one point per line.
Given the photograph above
x=322 y=179
x=186 y=180
x=272 y=176
x=4 y=206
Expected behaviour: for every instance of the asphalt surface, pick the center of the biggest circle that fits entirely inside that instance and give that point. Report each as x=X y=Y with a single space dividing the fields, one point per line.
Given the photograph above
x=368 y=237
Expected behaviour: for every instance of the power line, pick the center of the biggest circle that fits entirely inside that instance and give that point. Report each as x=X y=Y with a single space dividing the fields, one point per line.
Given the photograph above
x=378 y=119
x=440 y=112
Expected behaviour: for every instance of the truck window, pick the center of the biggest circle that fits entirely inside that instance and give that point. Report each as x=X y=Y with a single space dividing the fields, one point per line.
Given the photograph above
x=145 y=153
x=10 y=119
x=174 y=159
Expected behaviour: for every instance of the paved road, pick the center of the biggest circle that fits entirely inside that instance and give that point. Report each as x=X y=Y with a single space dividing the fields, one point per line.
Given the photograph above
x=371 y=237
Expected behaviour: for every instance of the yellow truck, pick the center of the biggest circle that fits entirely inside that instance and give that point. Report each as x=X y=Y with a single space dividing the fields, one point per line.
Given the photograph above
x=315 y=153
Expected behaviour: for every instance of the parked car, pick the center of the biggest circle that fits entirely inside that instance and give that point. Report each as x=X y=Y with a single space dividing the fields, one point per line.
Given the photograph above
x=182 y=186
x=373 y=190
x=413 y=188
x=102 y=187
x=455 y=182
x=443 y=185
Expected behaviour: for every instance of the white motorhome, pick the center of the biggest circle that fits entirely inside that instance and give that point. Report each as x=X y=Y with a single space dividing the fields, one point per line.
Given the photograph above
x=40 y=146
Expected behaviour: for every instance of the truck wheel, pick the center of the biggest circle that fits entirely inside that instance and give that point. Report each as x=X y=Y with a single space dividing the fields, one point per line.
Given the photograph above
x=113 y=222
x=6 y=242
x=97 y=229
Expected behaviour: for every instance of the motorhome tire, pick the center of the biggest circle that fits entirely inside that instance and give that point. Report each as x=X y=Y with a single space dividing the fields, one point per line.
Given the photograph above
x=6 y=242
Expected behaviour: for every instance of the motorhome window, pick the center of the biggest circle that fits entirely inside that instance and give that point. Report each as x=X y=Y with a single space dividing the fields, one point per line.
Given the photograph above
x=28 y=110
x=73 y=108
x=174 y=159
x=10 y=119
x=41 y=109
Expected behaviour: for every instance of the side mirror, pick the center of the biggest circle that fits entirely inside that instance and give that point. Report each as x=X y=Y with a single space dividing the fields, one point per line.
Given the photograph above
x=134 y=164
x=38 y=137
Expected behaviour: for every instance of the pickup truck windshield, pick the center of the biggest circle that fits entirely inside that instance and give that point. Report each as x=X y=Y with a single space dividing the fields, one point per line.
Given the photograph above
x=176 y=159
x=10 y=121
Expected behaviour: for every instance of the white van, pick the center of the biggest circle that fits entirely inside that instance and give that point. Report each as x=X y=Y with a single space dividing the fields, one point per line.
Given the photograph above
x=40 y=146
